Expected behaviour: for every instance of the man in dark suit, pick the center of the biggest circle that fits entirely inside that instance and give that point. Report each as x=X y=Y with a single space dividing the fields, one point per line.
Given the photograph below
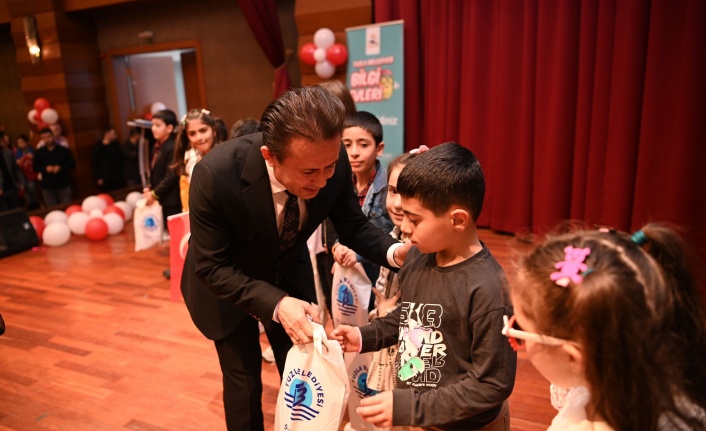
x=241 y=266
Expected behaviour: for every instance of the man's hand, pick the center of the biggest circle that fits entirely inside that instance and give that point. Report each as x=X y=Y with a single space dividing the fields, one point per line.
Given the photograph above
x=377 y=409
x=347 y=336
x=344 y=256
x=292 y=315
x=400 y=254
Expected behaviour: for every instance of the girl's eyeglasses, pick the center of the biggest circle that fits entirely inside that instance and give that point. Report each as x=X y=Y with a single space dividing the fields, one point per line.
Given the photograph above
x=515 y=335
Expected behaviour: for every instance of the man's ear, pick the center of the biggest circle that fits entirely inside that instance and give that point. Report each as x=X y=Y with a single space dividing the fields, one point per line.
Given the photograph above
x=267 y=154
x=576 y=360
x=378 y=151
x=460 y=218
x=170 y=128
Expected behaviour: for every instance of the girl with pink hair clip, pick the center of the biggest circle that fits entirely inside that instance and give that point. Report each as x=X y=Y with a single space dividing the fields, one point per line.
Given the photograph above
x=618 y=319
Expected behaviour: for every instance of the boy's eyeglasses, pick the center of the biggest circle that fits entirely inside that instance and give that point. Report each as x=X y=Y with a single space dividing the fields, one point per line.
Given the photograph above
x=516 y=336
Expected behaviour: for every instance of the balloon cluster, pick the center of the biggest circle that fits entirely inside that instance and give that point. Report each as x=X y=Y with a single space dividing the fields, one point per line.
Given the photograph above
x=324 y=54
x=97 y=217
x=42 y=114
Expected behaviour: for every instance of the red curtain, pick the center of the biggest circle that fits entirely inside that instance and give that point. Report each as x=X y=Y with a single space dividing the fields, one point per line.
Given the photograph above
x=592 y=110
x=264 y=23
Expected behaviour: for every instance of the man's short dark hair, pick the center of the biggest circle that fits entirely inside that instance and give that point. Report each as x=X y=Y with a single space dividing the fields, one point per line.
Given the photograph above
x=366 y=121
x=310 y=113
x=444 y=176
x=46 y=130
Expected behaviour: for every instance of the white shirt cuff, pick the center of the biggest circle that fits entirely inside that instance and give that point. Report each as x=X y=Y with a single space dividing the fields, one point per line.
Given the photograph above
x=391 y=254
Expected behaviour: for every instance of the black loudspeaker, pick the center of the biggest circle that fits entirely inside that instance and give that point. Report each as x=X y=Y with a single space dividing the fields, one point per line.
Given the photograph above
x=16 y=233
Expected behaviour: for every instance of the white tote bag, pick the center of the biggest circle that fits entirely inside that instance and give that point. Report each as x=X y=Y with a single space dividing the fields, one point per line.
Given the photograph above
x=314 y=390
x=148 y=224
x=350 y=293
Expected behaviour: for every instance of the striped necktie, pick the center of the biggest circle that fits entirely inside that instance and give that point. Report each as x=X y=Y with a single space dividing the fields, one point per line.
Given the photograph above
x=290 y=226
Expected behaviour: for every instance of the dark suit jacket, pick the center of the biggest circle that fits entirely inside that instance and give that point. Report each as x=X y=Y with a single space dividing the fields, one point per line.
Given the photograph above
x=233 y=264
x=165 y=182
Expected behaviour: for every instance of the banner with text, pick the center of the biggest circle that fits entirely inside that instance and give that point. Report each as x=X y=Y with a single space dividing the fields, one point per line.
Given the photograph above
x=376 y=78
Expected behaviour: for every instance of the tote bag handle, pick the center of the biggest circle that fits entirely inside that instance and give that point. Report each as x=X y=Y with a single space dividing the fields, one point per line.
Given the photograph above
x=320 y=338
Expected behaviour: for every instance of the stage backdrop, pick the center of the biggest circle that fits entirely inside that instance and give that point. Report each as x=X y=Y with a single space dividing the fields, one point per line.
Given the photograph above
x=376 y=78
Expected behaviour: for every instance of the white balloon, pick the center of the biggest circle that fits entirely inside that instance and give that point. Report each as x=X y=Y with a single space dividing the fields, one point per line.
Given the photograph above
x=56 y=234
x=50 y=116
x=91 y=203
x=126 y=207
x=95 y=213
x=132 y=198
x=319 y=55
x=115 y=223
x=30 y=116
x=56 y=215
x=156 y=107
x=324 y=37
x=77 y=222
x=325 y=69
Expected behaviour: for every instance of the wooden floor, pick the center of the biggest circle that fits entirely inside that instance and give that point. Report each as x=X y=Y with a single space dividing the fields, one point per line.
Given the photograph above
x=93 y=343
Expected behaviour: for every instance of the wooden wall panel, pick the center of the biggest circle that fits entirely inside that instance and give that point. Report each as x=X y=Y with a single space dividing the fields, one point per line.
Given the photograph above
x=4 y=12
x=13 y=115
x=31 y=7
x=74 y=5
x=312 y=15
x=69 y=75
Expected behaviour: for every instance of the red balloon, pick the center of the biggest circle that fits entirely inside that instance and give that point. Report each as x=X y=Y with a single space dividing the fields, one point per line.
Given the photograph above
x=107 y=198
x=337 y=54
x=41 y=104
x=38 y=117
x=72 y=209
x=37 y=224
x=306 y=53
x=96 y=229
x=114 y=209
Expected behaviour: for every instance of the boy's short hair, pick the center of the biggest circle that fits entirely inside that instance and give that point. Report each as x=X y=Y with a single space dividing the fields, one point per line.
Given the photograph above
x=167 y=116
x=244 y=126
x=366 y=121
x=446 y=175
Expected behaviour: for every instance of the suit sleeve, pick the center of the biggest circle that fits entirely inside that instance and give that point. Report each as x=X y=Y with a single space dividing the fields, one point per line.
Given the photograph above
x=211 y=244
x=168 y=183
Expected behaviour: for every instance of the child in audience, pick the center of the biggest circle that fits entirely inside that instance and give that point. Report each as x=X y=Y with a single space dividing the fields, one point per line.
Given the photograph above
x=244 y=126
x=131 y=155
x=165 y=188
x=619 y=321
x=362 y=137
x=197 y=135
x=24 y=156
x=455 y=371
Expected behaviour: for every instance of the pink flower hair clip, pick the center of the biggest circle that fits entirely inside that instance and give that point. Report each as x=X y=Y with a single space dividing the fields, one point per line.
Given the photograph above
x=420 y=150
x=572 y=267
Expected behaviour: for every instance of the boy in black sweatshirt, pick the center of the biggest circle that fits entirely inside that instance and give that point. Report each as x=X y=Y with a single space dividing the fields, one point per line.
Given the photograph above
x=455 y=370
